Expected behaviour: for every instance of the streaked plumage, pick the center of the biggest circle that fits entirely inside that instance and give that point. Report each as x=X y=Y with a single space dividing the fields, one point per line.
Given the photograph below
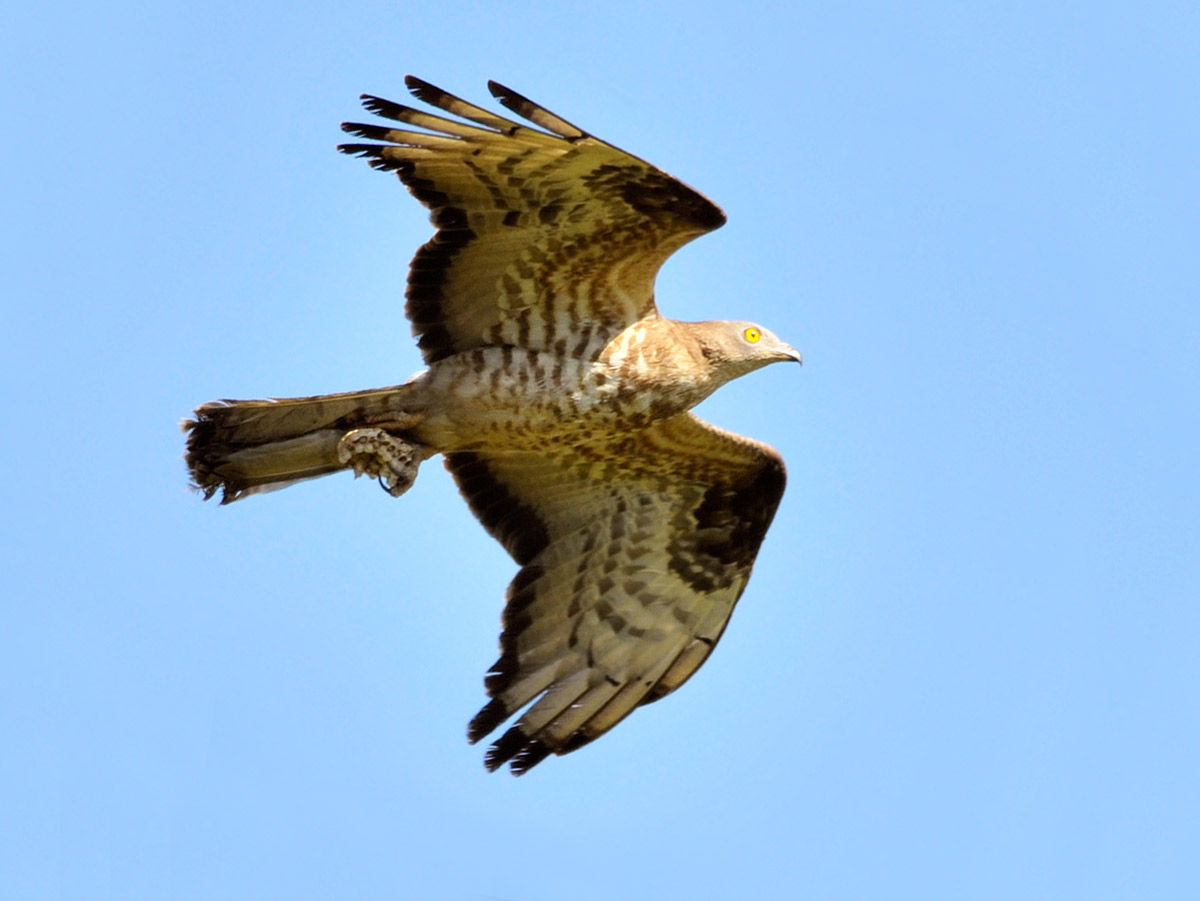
x=560 y=399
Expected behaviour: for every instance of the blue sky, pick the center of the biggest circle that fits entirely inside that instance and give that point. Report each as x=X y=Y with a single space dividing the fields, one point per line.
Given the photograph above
x=966 y=666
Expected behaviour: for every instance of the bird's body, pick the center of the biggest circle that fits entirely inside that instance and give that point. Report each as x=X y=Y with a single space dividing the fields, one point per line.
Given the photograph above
x=536 y=400
x=560 y=398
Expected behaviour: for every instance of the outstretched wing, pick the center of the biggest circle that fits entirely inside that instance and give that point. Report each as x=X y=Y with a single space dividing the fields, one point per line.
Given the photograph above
x=633 y=552
x=545 y=239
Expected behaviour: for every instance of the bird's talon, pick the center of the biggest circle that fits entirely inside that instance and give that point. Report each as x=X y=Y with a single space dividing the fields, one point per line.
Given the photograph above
x=381 y=455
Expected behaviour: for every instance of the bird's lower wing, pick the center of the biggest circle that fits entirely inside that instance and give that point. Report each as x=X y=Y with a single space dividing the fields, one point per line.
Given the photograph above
x=634 y=552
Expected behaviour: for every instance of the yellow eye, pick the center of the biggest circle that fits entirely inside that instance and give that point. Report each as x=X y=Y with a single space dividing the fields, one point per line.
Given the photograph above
x=752 y=334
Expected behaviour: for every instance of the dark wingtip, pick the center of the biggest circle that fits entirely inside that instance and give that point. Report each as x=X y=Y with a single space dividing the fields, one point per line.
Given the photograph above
x=373 y=153
x=514 y=745
x=487 y=719
x=530 y=756
x=363 y=130
x=510 y=99
x=423 y=90
x=366 y=150
x=504 y=749
x=389 y=109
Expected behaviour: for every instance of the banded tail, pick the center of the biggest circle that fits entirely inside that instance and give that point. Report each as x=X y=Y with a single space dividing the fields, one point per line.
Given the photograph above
x=245 y=447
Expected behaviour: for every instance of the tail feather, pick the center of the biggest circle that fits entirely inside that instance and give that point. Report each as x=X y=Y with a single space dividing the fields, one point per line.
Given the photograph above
x=245 y=447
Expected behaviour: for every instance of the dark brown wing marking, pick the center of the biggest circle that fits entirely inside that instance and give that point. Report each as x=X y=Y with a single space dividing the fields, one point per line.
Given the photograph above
x=634 y=552
x=542 y=235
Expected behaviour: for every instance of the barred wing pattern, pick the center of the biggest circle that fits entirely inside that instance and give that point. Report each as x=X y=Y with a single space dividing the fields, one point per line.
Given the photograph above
x=546 y=239
x=634 y=552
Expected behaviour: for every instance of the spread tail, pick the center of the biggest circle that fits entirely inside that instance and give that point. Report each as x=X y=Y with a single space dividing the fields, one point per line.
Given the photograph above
x=246 y=447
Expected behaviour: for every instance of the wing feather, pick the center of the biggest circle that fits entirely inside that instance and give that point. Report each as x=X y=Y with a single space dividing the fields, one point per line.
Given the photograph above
x=542 y=234
x=538 y=115
x=634 y=552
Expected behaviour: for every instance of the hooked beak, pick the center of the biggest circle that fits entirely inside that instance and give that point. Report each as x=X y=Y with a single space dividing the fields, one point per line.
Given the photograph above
x=787 y=352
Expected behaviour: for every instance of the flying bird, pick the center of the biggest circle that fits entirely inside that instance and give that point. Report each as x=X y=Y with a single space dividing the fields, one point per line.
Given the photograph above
x=559 y=398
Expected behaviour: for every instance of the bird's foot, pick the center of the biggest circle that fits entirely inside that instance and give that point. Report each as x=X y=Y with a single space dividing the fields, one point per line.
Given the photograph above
x=381 y=455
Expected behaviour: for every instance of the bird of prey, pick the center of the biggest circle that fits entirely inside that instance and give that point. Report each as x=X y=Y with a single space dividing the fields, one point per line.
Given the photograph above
x=559 y=398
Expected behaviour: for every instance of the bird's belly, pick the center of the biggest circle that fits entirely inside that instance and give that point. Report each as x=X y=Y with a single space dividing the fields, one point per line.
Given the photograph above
x=514 y=399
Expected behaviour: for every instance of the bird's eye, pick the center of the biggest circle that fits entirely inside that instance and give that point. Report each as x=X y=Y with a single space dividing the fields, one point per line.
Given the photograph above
x=752 y=334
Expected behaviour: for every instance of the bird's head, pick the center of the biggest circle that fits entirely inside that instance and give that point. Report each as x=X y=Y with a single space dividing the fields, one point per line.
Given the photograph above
x=734 y=348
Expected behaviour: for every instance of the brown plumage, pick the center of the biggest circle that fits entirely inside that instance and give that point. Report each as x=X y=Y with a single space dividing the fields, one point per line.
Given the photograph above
x=560 y=399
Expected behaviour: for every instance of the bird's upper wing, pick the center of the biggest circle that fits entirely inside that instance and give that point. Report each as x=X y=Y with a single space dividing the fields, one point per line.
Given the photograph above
x=634 y=551
x=545 y=239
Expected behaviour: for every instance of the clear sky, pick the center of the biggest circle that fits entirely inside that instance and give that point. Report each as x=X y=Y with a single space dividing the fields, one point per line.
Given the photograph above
x=967 y=664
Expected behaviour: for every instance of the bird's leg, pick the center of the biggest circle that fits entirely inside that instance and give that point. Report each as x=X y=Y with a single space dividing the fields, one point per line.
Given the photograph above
x=376 y=451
